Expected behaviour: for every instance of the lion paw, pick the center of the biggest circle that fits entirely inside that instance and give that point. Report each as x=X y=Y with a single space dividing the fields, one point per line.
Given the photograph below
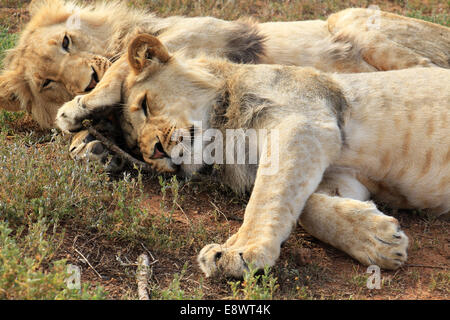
x=85 y=147
x=215 y=259
x=70 y=116
x=381 y=242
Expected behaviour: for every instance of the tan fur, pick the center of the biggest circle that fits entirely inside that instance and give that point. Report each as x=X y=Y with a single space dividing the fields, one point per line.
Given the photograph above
x=343 y=43
x=341 y=139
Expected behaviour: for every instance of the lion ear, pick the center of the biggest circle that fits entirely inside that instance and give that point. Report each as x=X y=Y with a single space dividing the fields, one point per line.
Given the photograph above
x=10 y=89
x=144 y=49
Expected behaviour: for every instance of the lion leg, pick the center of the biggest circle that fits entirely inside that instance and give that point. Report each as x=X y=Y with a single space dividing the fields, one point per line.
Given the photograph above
x=105 y=95
x=384 y=54
x=390 y=42
x=273 y=209
x=350 y=223
x=381 y=52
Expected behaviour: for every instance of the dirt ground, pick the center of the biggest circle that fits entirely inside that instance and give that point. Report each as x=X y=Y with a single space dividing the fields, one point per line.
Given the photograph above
x=307 y=268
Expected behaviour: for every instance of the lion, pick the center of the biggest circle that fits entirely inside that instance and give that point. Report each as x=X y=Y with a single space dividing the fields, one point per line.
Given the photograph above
x=66 y=48
x=338 y=140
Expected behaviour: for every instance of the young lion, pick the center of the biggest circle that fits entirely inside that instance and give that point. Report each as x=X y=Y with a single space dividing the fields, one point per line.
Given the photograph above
x=65 y=49
x=338 y=139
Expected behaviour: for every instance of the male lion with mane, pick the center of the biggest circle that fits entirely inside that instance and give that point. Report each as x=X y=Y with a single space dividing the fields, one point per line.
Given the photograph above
x=341 y=138
x=66 y=48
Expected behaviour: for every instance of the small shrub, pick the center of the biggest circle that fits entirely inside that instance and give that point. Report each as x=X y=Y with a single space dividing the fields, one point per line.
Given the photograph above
x=255 y=287
x=25 y=270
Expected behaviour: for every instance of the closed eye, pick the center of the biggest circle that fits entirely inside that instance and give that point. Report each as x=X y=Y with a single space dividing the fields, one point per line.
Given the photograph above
x=46 y=83
x=144 y=106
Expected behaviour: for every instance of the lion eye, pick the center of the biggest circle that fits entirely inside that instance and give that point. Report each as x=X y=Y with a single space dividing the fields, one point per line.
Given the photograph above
x=46 y=83
x=66 y=43
x=144 y=106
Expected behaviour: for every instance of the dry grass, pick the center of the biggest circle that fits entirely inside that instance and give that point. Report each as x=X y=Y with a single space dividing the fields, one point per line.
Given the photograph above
x=54 y=211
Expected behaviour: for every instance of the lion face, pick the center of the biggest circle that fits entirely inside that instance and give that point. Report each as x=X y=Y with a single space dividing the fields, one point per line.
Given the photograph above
x=159 y=139
x=161 y=106
x=156 y=143
x=59 y=62
x=55 y=60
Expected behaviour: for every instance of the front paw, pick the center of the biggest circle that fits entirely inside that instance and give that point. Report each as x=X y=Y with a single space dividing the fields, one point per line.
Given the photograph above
x=70 y=116
x=215 y=260
x=381 y=243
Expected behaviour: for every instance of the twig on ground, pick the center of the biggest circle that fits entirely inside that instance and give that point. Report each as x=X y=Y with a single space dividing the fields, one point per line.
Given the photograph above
x=227 y=217
x=218 y=210
x=151 y=255
x=114 y=148
x=89 y=264
x=142 y=274
x=185 y=215
x=125 y=264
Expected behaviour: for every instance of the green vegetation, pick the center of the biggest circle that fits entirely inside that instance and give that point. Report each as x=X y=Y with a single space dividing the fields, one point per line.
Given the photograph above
x=25 y=268
x=255 y=286
x=439 y=18
x=7 y=41
x=174 y=290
